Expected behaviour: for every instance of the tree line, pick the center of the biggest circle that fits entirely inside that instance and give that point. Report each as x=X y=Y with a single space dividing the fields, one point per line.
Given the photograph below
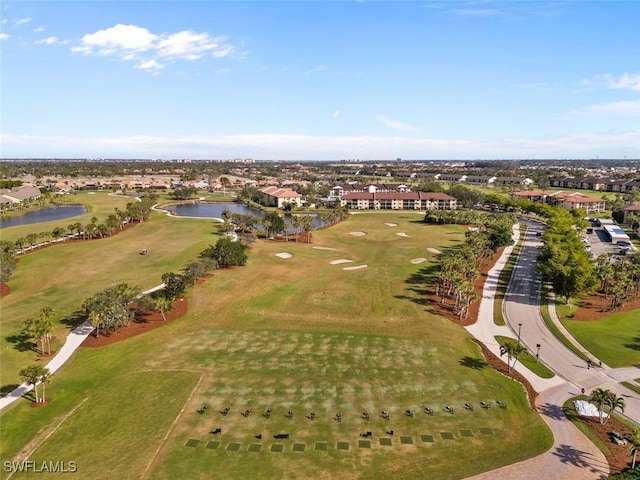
x=459 y=267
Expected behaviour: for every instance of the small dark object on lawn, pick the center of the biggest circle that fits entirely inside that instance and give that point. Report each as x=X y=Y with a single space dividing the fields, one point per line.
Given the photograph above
x=225 y=411
x=144 y=251
x=408 y=413
x=312 y=416
x=216 y=431
x=366 y=434
x=289 y=414
x=428 y=411
x=389 y=432
x=468 y=406
x=449 y=409
x=259 y=436
x=281 y=435
x=203 y=408
x=246 y=413
x=485 y=405
x=267 y=413
x=338 y=417
x=365 y=415
x=385 y=414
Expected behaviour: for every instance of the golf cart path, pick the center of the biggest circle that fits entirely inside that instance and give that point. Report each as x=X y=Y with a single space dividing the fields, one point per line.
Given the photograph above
x=73 y=341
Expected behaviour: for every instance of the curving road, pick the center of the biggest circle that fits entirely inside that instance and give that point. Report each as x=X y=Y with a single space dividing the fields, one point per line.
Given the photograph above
x=522 y=313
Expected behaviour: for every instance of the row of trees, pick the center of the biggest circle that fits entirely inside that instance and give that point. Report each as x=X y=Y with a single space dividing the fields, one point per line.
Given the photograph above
x=459 y=267
x=619 y=280
x=563 y=260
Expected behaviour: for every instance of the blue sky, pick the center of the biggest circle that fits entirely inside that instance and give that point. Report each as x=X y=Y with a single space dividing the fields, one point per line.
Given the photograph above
x=320 y=79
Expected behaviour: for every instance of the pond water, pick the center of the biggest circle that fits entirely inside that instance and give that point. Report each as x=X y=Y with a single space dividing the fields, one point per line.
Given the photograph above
x=214 y=210
x=48 y=214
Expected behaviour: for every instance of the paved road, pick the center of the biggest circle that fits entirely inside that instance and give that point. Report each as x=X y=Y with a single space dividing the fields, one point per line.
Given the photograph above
x=523 y=316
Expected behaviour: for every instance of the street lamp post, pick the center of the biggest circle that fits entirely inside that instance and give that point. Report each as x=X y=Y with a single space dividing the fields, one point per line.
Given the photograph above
x=537 y=352
x=519 y=329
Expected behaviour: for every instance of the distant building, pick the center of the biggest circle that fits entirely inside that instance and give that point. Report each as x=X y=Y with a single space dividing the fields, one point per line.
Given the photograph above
x=19 y=194
x=277 y=197
x=398 y=201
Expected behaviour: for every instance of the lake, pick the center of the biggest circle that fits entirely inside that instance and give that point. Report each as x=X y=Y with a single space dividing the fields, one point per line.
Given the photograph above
x=214 y=210
x=48 y=214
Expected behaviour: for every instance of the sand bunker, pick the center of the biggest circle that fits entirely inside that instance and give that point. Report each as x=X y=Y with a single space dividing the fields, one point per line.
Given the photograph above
x=357 y=234
x=416 y=261
x=433 y=250
x=402 y=234
x=359 y=267
x=339 y=261
x=391 y=224
x=325 y=248
x=284 y=255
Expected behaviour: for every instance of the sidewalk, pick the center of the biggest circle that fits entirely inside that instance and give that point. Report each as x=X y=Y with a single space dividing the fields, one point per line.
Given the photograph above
x=485 y=330
x=73 y=341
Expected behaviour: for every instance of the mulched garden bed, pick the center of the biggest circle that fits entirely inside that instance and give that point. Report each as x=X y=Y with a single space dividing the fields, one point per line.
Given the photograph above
x=144 y=322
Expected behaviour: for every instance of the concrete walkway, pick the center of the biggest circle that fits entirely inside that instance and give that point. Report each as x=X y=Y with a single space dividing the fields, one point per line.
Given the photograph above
x=572 y=456
x=73 y=341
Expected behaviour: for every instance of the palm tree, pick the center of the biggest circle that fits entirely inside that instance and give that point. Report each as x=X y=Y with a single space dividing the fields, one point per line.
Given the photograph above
x=44 y=379
x=634 y=441
x=599 y=399
x=513 y=350
x=613 y=401
x=32 y=374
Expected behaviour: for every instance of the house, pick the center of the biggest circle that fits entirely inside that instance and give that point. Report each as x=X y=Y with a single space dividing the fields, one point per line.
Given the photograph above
x=569 y=201
x=631 y=214
x=532 y=195
x=19 y=194
x=480 y=179
x=278 y=197
x=398 y=201
x=513 y=181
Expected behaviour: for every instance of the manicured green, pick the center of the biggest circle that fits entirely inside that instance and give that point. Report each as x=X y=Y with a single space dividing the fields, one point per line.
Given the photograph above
x=528 y=359
x=631 y=386
x=63 y=275
x=614 y=339
x=546 y=317
x=301 y=334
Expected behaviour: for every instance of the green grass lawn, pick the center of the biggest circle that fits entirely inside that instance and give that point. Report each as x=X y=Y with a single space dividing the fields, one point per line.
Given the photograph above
x=528 y=359
x=614 y=339
x=300 y=334
x=63 y=275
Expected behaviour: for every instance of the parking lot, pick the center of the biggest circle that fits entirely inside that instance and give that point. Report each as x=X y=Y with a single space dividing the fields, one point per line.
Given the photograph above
x=600 y=243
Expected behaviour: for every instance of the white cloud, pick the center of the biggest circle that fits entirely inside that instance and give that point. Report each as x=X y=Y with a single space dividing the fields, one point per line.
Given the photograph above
x=317 y=68
x=292 y=147
x=223 y=71
x=4 y=36
x=38 y=30
x=51 y=41
x=336 y=113
x=404 y=127
x=134 y=43
x=21 y=21
x=150 y=66
x=192 y=46
x=119 y=39
x=626 y=81
x=628 y=108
